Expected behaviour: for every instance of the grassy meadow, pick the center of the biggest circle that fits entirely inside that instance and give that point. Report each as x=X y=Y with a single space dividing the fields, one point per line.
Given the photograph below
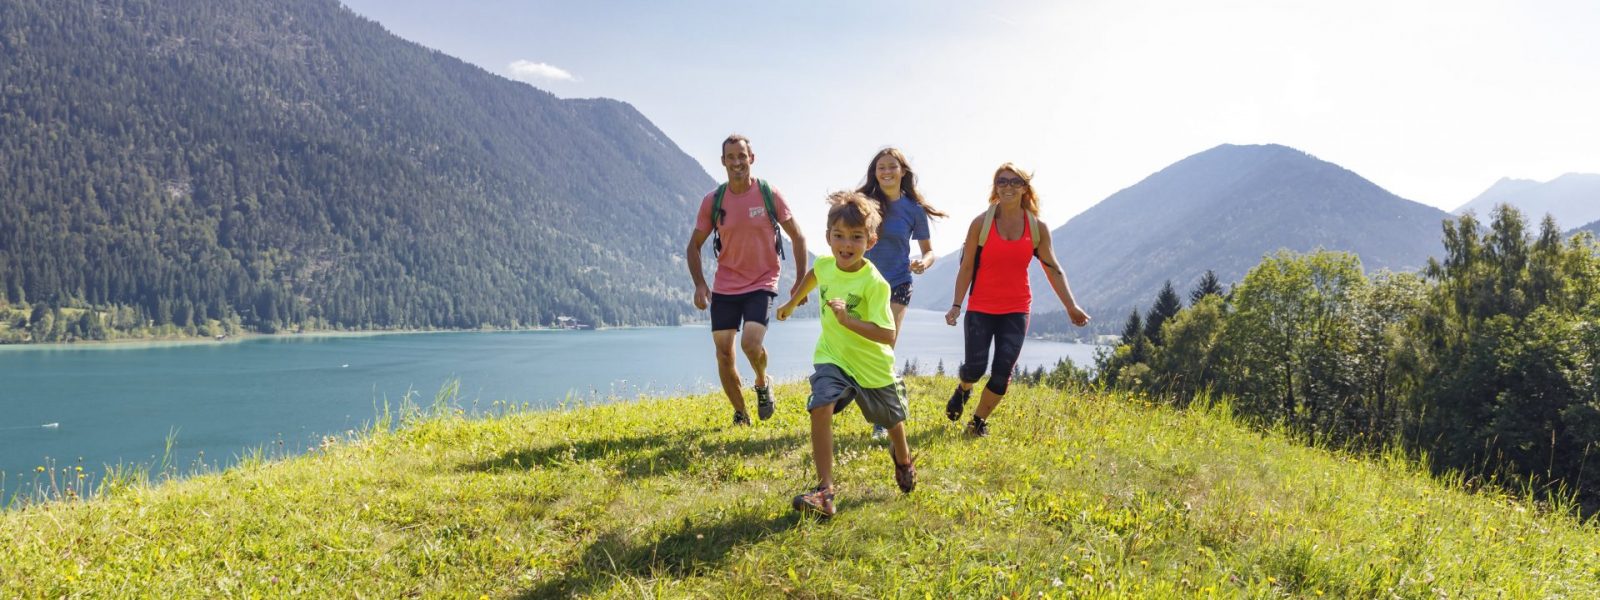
x=1075 y=494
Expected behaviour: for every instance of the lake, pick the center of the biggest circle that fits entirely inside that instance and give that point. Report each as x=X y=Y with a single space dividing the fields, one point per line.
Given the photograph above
x=117 y=403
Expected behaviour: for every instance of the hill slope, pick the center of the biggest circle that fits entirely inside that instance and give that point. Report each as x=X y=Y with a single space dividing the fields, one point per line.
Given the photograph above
x=1073 y=495
x=286 y=161
x=1593 y=228
x=1223 y=209
x=1573 y=199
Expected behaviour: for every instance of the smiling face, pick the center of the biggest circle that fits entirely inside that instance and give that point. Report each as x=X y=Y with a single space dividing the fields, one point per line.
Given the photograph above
x=850 y=244
x=737 y=158
x=1009 y=186
x=888 y=171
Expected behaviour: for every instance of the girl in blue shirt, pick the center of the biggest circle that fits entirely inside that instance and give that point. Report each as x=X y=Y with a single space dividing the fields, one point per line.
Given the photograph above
x=893 y=185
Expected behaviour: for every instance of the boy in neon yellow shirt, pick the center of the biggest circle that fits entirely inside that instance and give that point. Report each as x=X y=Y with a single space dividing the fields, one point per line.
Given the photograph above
x=854 y=358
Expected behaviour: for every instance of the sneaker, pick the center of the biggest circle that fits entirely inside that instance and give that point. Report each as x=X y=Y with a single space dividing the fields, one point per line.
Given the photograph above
x=740 y=418
x=905 y=475
x=818 y=501
x=764 y=405
x=880 y=432
x=958 y=402
x=979 y=427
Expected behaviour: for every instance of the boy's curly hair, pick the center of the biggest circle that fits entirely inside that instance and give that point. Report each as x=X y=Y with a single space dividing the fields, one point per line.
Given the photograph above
x=853 y=209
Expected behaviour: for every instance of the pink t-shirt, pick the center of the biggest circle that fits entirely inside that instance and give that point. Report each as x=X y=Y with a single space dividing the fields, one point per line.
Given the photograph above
x=748 y=261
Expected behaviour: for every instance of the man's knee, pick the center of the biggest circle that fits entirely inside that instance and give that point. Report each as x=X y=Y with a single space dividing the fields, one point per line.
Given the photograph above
x=751 y=346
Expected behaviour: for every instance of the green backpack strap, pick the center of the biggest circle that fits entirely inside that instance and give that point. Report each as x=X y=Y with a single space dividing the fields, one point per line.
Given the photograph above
x=772 y=215
x=718 y=216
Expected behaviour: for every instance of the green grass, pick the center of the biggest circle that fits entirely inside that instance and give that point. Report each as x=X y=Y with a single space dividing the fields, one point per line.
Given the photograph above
x=1075 y=494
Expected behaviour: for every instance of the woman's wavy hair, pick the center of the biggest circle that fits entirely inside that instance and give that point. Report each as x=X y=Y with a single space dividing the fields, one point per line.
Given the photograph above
x=1030 y=200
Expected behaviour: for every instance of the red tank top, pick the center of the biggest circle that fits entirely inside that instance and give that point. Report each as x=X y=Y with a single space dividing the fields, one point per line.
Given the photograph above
x=1001 y=284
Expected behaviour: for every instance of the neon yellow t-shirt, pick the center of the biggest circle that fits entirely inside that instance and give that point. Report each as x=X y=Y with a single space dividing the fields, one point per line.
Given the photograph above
x=866 y=296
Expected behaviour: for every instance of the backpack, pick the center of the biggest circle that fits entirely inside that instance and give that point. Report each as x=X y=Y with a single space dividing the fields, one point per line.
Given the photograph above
x=717 y=216
x=988 y=221
x=983 y=236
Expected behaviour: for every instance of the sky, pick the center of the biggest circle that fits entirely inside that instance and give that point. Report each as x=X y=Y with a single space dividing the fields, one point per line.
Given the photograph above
x=1432 y=100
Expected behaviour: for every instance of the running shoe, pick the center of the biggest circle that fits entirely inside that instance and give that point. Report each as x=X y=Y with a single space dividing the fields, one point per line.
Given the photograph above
x=880 y=432
x=740 y=418
x=905 y=475
x=764 y=404
x=957 y=403
x=979 y=427
x=818 y=501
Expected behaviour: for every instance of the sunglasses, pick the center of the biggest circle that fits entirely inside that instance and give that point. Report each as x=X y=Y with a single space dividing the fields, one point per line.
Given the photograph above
x=1001 y=182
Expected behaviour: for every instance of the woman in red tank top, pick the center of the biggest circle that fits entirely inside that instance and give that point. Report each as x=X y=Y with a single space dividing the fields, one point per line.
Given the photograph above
x=994 y=267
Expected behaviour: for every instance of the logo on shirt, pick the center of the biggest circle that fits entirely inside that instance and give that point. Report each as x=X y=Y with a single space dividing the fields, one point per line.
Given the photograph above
x=758 y=211
x=851 y=301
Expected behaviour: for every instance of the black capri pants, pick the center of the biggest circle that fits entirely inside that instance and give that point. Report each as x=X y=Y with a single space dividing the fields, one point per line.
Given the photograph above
x=1006 y=332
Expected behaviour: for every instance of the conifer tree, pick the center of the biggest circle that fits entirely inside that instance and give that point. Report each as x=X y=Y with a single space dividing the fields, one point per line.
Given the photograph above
x=1167 y=306
x=1208 y=285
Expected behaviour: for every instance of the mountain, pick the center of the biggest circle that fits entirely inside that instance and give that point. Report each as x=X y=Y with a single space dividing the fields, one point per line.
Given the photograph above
x=1221 y=209
x=1572 y=199
x=1593 y=228
x=283 y=162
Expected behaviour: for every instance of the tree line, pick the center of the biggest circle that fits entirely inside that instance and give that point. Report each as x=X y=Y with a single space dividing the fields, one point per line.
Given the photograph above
x=1486 y=362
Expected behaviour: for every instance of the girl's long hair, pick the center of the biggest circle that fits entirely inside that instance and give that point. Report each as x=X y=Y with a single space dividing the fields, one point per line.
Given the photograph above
x=908 y=184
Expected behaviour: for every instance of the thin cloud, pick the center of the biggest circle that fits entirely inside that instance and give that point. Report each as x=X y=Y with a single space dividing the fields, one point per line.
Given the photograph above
x=533 y=72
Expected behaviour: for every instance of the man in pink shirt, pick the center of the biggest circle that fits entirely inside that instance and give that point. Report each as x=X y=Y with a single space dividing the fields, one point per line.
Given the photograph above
x=747 y=270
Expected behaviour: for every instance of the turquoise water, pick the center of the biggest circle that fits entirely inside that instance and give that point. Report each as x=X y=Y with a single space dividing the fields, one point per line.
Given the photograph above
x=117 y=404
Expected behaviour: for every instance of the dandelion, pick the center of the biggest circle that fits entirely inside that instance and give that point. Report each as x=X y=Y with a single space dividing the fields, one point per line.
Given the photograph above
x=1272 y=580
x=39 y=469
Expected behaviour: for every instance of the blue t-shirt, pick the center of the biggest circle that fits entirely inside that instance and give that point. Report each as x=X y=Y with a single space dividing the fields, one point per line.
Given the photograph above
x=906 y=221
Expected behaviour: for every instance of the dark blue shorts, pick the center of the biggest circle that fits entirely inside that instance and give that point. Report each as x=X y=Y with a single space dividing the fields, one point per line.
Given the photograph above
x=729 y=311
x=900 y=294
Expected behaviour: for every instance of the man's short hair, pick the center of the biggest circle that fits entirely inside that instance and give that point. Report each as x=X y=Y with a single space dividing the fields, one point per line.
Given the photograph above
x=734 y=138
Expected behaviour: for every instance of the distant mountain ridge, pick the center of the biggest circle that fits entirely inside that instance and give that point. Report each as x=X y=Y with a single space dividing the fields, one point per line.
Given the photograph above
x=281 y=162
x=1222 y=209
x=1573 y=199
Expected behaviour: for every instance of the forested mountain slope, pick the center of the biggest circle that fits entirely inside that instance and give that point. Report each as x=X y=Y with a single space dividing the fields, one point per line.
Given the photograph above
x=287 y=162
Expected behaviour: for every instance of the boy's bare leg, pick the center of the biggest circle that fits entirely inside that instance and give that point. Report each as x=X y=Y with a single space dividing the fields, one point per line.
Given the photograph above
x=899 y=312
x=822 y=443
x=755 y=334
x=899 y=445
x=727 y=369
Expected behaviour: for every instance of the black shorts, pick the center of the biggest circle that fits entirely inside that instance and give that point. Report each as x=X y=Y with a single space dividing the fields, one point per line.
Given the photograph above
x=1006 y=332
x=900 y=294
x=728 y=311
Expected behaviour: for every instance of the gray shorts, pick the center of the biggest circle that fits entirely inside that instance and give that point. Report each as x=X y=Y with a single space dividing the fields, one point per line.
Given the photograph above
x=884 y=406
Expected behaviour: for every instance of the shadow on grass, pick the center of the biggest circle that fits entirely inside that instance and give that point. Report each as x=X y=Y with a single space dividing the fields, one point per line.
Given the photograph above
x=638 y=456
x=689 y=551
